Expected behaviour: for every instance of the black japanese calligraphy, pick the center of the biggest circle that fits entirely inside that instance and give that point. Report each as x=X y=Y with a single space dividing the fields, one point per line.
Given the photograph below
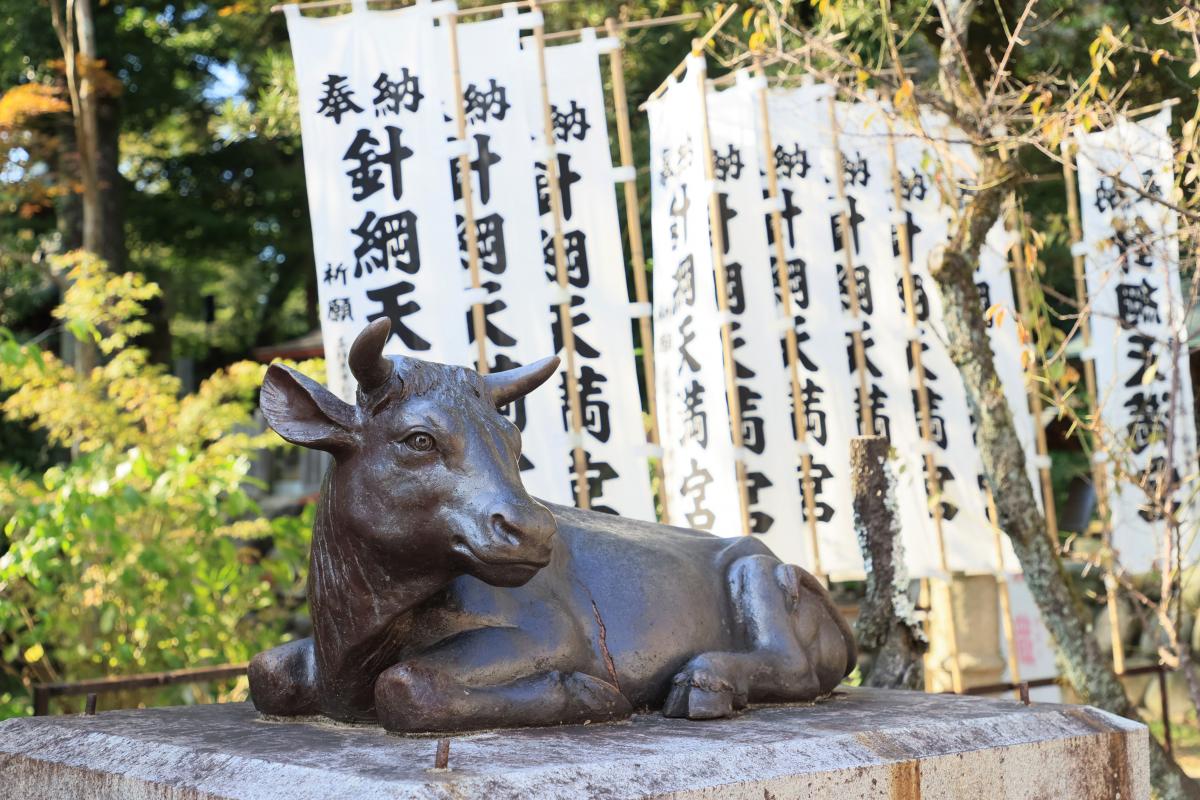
x=337 y=99
x=393 y=95
x=484 y=104
x=571 y=123
x=728 y=166
x=365 y=176
x=386 y=242
x=493 y=332
x=334 y=274
x=566 y=179
x=695 y=418
x=1136 y=304
x=339 y=309
x=791 y=163
x=695 y=488
x=388 y=298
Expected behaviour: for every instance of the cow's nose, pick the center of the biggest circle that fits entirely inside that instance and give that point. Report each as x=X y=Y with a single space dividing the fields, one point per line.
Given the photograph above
x=524 y=524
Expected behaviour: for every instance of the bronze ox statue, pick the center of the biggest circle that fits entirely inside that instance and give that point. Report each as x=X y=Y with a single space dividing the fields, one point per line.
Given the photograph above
x=445 y=598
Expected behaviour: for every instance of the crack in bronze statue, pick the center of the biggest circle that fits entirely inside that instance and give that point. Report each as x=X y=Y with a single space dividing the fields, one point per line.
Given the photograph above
x=445 y=598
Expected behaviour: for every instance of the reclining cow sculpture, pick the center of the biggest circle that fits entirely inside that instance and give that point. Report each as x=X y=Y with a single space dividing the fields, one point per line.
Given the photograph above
x=445 y=598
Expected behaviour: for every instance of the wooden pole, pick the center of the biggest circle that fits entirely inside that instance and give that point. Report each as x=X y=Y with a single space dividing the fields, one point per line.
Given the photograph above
x=1006 y=615
x=932 y=479
x=1016 y=223
x=478 y=320
x=582 y=492
x=637 y=252
x=698 y=46
x=718 y=256
x=1036 y=407
x=616 y=27
x=791 y=347
x=866 y=415
x=1099 y=476
x=462 y=12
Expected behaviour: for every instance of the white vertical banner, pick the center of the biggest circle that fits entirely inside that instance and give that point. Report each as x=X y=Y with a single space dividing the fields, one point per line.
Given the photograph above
x=613 y=432
x=799 y=119
x=867 y=174
x=1137 y=314
x=957 y=168
x=520 y=326
x=927 y=216
x=698 y=455
x=1035 y=650
x=374 y=164
x=764 y=388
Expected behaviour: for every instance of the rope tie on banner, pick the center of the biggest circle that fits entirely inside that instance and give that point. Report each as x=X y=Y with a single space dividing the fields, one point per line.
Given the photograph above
x=640 y=310
x=624 y=174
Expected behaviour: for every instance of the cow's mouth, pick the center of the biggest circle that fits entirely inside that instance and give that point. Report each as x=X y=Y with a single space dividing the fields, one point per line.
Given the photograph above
x=463 y=547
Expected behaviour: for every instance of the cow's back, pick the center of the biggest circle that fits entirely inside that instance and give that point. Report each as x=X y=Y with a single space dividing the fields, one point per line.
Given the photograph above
x=661 y=593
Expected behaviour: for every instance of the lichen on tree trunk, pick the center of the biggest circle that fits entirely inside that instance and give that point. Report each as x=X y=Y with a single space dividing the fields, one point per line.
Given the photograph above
x=1081 y=660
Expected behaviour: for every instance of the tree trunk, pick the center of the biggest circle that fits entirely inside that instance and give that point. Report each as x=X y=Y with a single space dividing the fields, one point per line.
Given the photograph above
x=1083 y=663
x=891 y=644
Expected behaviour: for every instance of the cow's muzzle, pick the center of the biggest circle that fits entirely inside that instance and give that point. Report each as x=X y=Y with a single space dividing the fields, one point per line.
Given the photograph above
x=526 y=531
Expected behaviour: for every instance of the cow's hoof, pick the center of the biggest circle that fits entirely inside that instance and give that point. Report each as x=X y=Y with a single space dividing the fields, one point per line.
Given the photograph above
x=699 y=695
x=599 y=700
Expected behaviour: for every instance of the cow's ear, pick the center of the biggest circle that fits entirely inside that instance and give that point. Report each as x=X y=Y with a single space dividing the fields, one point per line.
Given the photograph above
x=306 y=413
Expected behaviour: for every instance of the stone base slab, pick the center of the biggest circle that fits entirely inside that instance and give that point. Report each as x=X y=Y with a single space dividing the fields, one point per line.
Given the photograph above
x=863 y=743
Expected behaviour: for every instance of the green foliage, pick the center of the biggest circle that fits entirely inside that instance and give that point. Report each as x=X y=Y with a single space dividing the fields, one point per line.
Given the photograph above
x=147 y=551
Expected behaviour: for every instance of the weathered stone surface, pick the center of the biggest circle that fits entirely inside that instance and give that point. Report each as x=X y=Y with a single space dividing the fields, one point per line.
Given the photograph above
x=863 y=744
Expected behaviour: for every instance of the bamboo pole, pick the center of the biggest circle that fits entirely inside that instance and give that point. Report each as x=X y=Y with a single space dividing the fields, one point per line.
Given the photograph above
x=1006 y=615
x=582 y=492
x=1017 y=224
x=1036 y=408
x=478 y=319
x=718 y=255
x=698 y=46
x=637 y=252
x=616 y=27
x=866 y=415
x=932 y=479
x=495 y=8
x=791 y=347
x=1099 y=476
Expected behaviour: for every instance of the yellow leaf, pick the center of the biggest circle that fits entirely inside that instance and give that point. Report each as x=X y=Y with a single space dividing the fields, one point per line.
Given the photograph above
x=34 y=654
x=1194 y=69
x=747 y=17
x=757 y=40
x=864 y=76
x=1157 y=56
x=1151 y=371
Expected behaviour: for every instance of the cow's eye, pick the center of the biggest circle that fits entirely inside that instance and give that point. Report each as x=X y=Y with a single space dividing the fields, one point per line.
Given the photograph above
x=420 y=441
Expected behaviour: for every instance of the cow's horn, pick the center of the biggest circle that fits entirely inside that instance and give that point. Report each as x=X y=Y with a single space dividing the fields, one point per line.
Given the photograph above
x=370 y=366
x=509 y=385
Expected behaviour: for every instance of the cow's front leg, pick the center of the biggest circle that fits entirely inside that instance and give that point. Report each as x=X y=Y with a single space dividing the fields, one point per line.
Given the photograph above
x=283 y=680
x=797 y=645
x=494 y=677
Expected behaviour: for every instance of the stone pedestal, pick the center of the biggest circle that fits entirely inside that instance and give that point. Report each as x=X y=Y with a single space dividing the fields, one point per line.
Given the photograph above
x=860 y=744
